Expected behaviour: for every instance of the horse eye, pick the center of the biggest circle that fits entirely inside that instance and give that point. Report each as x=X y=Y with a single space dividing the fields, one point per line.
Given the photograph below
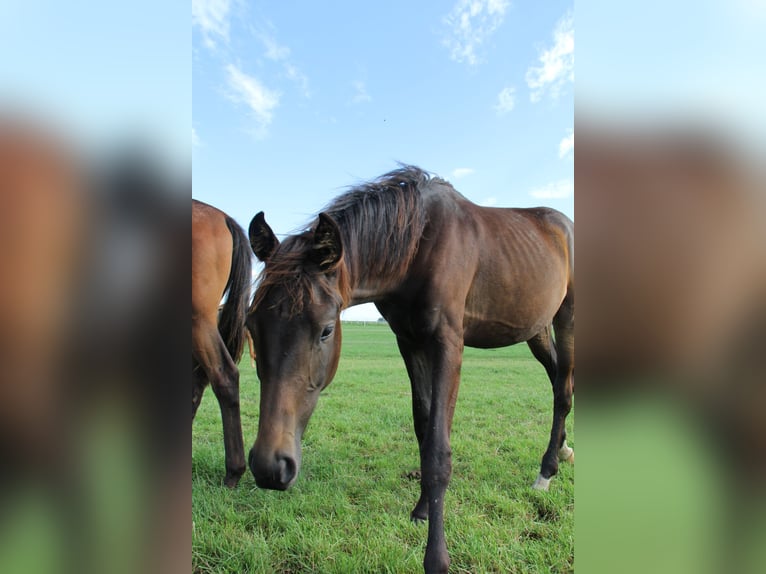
x=326 y=333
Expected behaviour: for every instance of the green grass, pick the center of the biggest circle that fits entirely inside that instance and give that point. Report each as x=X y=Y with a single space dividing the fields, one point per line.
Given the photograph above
x=349 y=510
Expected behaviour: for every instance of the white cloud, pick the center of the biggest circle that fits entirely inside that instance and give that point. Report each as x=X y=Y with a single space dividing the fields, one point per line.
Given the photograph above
x=280 y=53
x=249 y=91
x=274 y=50
x=360 y=93
x=212 y=18
x=462 y=172
x=556 y=67
x=488 y=201
x=560 y=189
x=567 y=144
x=471 y=23
x=195 y=138
x=506 y=100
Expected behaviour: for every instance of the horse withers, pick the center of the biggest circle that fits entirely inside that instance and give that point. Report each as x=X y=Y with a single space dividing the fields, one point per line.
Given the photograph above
x=220 y=266
x=444 y=273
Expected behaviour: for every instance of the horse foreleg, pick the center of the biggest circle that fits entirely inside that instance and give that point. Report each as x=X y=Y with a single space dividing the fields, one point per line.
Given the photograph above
x=419 y=371
x=436 y=458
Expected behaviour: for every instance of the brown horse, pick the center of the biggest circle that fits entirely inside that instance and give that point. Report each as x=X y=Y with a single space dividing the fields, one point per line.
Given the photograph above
x=673 y=267
x=445 y=273
x=42 y=237
x=220 y=265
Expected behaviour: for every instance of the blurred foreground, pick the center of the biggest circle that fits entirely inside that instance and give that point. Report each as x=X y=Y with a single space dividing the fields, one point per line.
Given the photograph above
x=94 y=471
x=671 y=255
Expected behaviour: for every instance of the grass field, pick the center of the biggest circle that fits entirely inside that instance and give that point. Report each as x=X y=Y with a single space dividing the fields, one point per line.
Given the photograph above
x=349 y=510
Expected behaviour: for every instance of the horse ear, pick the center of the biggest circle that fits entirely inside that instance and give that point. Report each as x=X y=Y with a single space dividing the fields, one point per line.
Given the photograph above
x=262 y=238
x=327 y=248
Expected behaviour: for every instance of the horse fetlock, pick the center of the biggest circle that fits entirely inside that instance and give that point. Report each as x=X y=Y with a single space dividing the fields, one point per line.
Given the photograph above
x=436 y=561
x=419 y=514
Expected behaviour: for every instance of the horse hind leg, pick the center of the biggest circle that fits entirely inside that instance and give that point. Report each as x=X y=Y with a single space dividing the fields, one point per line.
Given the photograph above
x=223 y=375
x=199 y=382
x=226 y=389
x=563 y=384
x=544 y=350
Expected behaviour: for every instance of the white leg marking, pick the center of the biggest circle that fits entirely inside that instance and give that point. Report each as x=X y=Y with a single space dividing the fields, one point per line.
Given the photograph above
x=541 y=483
x=566 y=453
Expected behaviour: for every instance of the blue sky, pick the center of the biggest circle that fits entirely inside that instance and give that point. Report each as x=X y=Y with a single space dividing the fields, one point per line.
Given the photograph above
x=104 y=72
x=295 y=101
x=700 y=63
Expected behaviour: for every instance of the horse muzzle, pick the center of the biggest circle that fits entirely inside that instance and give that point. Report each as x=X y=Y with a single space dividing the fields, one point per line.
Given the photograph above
x=277 y=471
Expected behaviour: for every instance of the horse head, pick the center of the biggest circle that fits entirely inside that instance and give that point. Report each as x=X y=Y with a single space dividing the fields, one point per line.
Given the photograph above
x=295 y=325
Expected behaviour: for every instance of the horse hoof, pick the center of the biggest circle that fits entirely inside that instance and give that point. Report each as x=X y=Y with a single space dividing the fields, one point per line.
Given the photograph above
x=418 y=519
x=541 y=483
x=231 y=481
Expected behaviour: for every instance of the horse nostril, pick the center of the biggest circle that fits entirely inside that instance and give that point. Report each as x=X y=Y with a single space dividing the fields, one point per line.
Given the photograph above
x=286 y=470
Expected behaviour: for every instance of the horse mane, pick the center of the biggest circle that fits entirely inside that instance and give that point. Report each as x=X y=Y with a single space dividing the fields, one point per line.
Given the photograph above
x=381 y=223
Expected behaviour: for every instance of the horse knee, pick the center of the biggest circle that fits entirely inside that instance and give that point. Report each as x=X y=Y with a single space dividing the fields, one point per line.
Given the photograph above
x=437 y=469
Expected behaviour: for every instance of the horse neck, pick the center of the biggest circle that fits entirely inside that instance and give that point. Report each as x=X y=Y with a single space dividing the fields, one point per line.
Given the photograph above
x=368 y=284
x=366 y=294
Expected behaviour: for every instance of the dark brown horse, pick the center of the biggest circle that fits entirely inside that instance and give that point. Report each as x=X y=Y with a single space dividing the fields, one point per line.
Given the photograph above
x=445 y=273
x=220 y=265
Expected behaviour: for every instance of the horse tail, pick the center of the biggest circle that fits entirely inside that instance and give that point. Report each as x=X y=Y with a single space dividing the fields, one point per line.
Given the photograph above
x=231 y=322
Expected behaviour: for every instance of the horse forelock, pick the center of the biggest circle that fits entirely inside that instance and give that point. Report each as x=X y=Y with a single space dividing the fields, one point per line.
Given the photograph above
x=291 y=269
